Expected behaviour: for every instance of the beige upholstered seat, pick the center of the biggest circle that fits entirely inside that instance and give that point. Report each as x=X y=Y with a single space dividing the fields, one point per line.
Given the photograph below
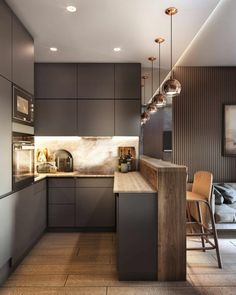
x=199 y=212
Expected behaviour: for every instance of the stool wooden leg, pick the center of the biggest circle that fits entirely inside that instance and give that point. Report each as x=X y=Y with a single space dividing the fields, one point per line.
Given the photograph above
x=202 y=228
x=215 y=236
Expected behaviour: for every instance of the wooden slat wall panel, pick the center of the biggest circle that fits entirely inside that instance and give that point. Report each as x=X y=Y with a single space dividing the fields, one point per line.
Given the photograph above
x=197 y=120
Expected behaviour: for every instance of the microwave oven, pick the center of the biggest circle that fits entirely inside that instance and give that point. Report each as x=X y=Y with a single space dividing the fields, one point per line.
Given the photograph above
x=23 y=106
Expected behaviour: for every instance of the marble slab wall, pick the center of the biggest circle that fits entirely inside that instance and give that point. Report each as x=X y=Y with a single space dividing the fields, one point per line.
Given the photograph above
x=92 y=154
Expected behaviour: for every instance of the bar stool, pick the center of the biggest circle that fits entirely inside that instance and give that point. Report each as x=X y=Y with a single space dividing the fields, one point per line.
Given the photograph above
x=199 y=210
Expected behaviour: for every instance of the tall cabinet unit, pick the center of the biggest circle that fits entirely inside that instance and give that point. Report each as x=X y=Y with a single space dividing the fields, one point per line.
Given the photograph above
x=22 y=56
x=5 y=135
x=5 y=41
x=104 y=99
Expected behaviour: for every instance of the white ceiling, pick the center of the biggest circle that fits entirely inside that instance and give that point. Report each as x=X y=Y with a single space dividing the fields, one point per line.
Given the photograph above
x=90 y=34
x=215 y=43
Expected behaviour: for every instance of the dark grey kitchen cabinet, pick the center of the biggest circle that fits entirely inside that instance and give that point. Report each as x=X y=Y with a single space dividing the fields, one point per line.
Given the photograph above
x=22 y=56
x=5 y=40
x=55 y=80
x=7 y=229
x=61 y=202
x=30 y=218
x=127 y=117
x=128 y=81
x=95 y=117
x=56 y=117
x=95 y=81
x=136 y=236
x=5 y=135
x=95 y=206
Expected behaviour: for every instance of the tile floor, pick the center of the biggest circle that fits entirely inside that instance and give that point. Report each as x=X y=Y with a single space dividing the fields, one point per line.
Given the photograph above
x=84 y=264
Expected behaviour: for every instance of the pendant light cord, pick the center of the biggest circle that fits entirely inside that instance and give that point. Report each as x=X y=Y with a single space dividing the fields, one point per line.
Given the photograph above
x=159 y=67
x=171 y=62
x=152 y=77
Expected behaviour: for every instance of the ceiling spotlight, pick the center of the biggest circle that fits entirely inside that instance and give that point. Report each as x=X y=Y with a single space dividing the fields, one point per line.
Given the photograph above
x=71 y=8
x=53 y=49
x=117 y=49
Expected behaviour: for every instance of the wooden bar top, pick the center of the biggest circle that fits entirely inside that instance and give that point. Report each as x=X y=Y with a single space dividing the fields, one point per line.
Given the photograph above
x=131 y=182
x=158 y=164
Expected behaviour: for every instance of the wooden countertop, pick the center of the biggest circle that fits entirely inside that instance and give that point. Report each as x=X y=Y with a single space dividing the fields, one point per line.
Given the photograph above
x=131 y=182
x=158 y=164
x=69 y=174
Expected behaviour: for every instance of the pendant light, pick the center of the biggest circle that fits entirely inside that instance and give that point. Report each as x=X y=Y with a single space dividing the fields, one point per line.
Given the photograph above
x=151 y=107
x=145 y=116
x=171 y=86
x=159 y=99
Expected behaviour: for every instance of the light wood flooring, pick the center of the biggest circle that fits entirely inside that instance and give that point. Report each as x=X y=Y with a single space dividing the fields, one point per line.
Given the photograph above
x=85 y=264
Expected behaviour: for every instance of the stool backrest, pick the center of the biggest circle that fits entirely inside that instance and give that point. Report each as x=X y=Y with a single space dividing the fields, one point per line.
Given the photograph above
x=202 y=184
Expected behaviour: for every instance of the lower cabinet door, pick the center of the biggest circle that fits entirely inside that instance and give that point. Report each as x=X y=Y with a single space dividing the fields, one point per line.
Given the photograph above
x=61 y=215
x=95 y=207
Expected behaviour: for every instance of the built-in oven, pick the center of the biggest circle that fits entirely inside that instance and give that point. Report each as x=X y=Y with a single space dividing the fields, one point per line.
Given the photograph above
x=23 y=106
x=23 y=160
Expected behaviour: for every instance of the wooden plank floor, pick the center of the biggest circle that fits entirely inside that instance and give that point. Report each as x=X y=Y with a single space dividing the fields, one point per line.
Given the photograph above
x=83 y=263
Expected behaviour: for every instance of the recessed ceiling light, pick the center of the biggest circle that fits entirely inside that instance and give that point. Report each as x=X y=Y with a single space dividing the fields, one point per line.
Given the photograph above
x=117 y=49
x=71 y=8
x=53 y=49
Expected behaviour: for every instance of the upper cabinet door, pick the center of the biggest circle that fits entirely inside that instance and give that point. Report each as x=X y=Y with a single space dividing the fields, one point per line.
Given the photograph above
x=128 y=81
x=55 y=80
x=95 y=81
x=55 y=117
x=23 y=57
x=96 y=117
x=127 y=117
x=5 y=41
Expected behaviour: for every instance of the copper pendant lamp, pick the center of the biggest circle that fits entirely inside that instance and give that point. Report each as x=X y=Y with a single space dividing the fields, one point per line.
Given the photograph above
x=172 y=86
x=151 y=107
x=159 y=99
x=145 y=116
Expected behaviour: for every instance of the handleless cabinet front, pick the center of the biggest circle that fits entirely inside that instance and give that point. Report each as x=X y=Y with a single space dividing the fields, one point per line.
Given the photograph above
x=61 y=202
x=55 y=117
x=96 y=81
x=23 y=57
x=95 y=117
x=5 y=135
x=5 y=40
x=55 y=81
x=95 y=203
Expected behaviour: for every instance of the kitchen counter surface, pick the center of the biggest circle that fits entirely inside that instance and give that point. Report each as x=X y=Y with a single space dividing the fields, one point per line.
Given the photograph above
x=69 y=174
x=131 y=182
x=157 y=164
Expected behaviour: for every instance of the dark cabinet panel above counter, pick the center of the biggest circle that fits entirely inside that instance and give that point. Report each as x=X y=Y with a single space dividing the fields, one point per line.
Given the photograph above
x=96 y=81
x=96 y=117
x=127 y=117
x=55 y=80
x=22 y=56
x=56 y=117
x=5 y=40
x=128 y=81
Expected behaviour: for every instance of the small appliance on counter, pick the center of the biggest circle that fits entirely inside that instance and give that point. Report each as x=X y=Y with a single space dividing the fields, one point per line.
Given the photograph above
x=46 y=167
x=127 y=159
x=64 y=161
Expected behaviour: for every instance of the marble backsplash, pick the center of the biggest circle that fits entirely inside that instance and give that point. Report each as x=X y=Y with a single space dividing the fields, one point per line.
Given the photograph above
x=98 y=155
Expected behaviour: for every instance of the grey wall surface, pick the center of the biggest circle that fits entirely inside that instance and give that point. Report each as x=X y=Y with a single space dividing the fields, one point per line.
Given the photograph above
x=153 y=133
x=197 y=120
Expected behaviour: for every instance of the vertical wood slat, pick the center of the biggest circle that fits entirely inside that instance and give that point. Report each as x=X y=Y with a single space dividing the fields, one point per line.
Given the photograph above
x=197 y=120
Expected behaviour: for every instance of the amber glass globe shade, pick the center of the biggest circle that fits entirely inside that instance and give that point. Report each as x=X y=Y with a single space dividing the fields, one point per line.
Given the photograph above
x=160 y=100
x=171 y=87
